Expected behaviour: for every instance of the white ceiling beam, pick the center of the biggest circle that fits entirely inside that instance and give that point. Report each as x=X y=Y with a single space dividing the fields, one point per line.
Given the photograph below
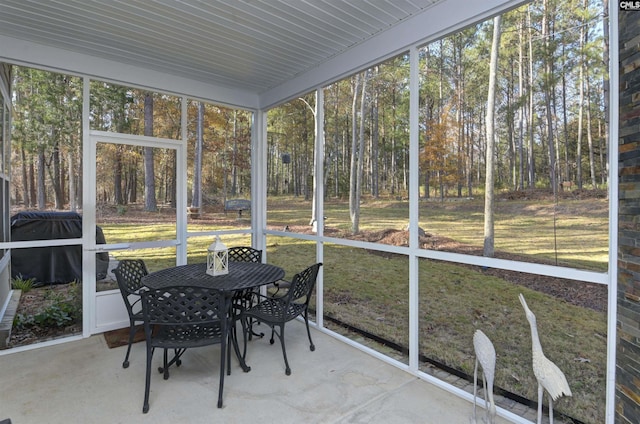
x=35 y=55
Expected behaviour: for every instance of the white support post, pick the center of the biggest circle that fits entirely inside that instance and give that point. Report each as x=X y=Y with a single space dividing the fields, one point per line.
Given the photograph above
x=181 y=186
x=612 y=306
x=259 y=181
x=414 y=199
x=88 y=216
x=319 y=198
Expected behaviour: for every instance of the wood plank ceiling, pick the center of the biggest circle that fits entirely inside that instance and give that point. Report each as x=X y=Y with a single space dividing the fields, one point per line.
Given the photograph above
x=249 y=44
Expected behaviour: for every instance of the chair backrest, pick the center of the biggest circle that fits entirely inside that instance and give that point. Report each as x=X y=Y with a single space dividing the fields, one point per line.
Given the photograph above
x=180 y=305
x=129 y=273
x=244 y=254
x=302 y=285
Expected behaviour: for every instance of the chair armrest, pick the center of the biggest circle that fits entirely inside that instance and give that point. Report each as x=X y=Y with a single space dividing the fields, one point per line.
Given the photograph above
x=279 y=285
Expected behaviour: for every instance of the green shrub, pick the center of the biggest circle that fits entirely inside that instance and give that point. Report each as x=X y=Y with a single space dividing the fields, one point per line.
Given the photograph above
x=58 y=315
x=24 y=284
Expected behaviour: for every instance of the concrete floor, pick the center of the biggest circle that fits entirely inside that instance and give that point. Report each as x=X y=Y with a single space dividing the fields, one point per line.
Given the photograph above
x=83 y=382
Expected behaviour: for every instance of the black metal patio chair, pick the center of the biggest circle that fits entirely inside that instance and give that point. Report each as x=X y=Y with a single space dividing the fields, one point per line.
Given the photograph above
x=243 y=299
x=277 y=311
x=129 y=273
x=244 y=254
x=181 y=318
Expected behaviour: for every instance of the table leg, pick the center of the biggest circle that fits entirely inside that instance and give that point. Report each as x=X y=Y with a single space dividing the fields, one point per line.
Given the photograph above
x=233 y=336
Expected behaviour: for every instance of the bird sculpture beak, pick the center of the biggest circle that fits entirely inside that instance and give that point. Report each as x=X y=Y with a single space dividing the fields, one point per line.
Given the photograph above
x=523 y=302
x=528 y=313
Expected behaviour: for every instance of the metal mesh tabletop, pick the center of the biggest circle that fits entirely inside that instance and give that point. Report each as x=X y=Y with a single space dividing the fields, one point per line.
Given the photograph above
x=242 y=275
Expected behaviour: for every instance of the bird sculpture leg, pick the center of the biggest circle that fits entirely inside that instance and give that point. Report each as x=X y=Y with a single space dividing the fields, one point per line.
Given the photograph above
x=550 y=410
x=540 y=393
x=475 y=391
x=491 y=406
x=486 y=401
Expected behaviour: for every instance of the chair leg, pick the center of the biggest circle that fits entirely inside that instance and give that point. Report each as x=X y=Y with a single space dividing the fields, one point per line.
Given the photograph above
x=177 y=353
x=284 y=350
x=132 y=333
x=165 y=364
x=244 y=347
x=251 y=331
x=306 y=321
x=248 y=303
x=247 y=334
x=147 y=384
x=273 y=332
x=224 y=357
x=236 y=348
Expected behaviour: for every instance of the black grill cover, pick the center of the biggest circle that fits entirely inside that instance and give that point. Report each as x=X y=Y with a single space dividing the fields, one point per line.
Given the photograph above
x=57 y=264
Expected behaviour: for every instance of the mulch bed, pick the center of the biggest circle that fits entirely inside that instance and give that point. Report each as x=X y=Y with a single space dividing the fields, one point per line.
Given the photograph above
x=36 y=301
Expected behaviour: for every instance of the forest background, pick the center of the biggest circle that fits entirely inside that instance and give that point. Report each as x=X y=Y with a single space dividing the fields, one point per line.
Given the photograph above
x=550 y=124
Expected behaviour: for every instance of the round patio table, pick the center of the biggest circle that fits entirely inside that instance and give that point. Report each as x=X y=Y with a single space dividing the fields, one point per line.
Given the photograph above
x=241 y=276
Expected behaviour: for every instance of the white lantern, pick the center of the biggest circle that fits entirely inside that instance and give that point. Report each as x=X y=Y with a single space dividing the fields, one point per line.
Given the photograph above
x=217 y=258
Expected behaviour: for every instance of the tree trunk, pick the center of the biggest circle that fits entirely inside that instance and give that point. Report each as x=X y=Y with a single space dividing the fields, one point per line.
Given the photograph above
x=196 y=196
x=592 y=168
x=56 y=173
x=521 y=107
x=117 y=177
x=580 y=111
x=72 y=182
x=33 y=195
x=172 y=180
x=532 y=114
x=25 y=179
x=489 y=178
x=336 y=137
x=234 y=156
x=79 y=179
x=132 y=182
x=375 y=139
x=42 y=199
x=605 y=85
x=567 y=172
x=150 y=203
x=360 y=176
x=548 y=93
x=356 y=155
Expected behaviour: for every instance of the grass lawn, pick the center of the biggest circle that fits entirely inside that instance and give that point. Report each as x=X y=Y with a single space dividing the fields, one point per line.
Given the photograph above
x=569 y=232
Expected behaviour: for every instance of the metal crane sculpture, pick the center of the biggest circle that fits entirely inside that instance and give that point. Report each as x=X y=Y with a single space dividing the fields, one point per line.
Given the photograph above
x=549 y=376
x=486 y=356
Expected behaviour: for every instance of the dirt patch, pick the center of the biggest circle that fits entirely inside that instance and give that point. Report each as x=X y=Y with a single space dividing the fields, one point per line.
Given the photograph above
x=539 y=194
